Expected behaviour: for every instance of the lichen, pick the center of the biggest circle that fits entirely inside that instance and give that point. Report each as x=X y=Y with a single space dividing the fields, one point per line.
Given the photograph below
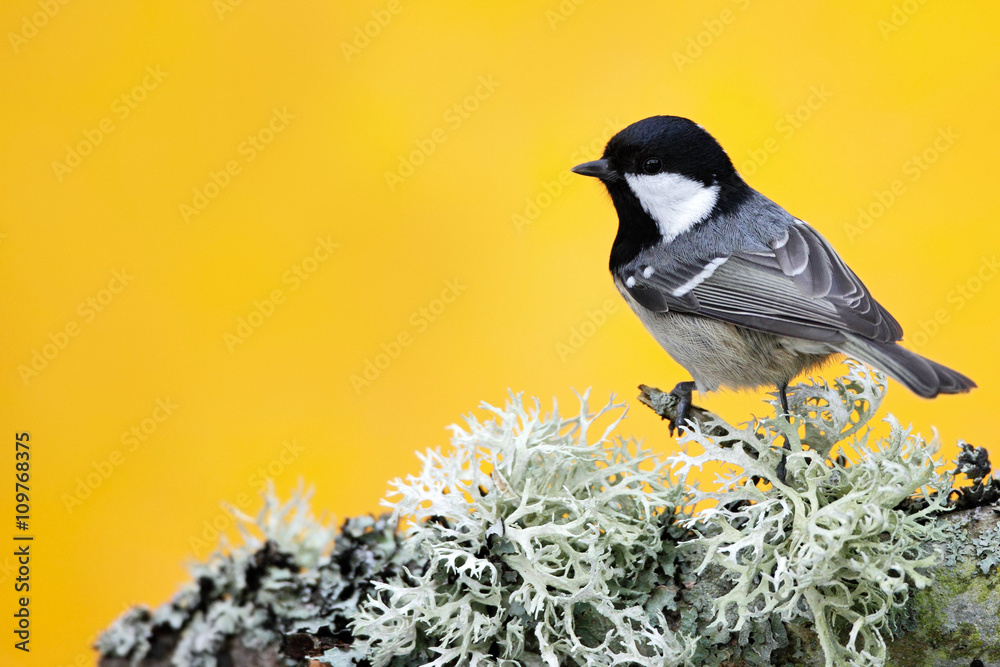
x=826 y=541
x=543 y=545
x=239 y=592
x=987 y=546
x=958 y=619
x=542 y=539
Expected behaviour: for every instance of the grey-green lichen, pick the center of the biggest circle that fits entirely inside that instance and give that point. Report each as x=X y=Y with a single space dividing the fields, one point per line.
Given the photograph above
x=828 y=541
x=542 y=539
x=957 y=620
x=987 y=551
x=283 y=578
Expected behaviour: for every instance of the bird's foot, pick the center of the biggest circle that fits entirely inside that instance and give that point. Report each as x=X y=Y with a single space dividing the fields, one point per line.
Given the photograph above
x=683 y=393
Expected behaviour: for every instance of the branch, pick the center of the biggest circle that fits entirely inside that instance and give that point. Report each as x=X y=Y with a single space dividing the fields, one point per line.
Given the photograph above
x=953 y=622
x=665 y=404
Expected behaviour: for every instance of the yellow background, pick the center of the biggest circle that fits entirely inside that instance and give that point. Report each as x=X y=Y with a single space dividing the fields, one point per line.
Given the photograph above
x=883 y=79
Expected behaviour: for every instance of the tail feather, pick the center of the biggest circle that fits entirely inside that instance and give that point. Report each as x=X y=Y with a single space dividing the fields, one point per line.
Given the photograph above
x=921 y=375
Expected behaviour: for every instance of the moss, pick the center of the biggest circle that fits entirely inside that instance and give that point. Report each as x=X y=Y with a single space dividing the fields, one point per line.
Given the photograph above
x=959 y=616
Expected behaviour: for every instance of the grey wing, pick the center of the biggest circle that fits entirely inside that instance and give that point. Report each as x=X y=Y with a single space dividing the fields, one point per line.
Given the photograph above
x=799 y=288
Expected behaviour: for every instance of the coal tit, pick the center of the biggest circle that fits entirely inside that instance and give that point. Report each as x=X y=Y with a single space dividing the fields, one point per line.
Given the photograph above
x=737 y=290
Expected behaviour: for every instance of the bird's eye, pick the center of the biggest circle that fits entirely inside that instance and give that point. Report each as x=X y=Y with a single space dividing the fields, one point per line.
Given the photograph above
x=651 y=166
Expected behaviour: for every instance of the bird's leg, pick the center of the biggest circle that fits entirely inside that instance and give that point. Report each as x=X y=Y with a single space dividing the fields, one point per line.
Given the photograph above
x=683 y=393
x=780 y=469
x=783 y=397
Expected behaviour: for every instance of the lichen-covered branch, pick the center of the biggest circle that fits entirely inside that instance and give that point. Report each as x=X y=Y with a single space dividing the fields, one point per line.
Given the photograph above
x=545 y=540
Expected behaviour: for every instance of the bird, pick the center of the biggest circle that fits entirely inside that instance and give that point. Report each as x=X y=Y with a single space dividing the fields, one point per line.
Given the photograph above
x=740 y=292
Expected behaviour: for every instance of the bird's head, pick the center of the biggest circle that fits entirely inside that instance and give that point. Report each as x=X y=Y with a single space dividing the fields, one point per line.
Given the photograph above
x=664 y=169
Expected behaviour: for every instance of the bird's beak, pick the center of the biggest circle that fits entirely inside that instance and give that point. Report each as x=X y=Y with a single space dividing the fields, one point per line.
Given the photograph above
x=597 y=169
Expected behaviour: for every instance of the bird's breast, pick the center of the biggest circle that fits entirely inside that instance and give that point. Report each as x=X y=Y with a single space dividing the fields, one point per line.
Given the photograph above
x=719 y=354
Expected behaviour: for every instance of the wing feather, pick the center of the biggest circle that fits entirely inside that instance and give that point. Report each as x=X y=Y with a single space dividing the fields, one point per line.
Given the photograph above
x=802 y=288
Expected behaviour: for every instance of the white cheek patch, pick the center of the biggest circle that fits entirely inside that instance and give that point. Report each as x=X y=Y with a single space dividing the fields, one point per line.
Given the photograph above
x=675 y=202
